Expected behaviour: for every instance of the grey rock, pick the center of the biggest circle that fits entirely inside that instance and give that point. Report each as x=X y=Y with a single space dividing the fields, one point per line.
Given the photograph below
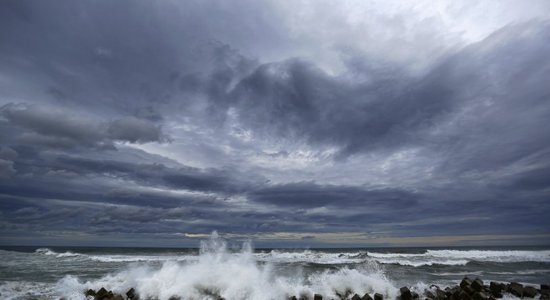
x=480 y=296
x=366 y=296
x=477 y=285
x=530 y=292
x=405 y=293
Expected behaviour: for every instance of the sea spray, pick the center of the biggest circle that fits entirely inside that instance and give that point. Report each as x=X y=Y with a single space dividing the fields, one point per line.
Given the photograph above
x=232 y=275
x=41 y=273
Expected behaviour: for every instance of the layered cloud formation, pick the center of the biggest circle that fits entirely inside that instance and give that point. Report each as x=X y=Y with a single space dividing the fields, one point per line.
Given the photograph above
x=292 y=123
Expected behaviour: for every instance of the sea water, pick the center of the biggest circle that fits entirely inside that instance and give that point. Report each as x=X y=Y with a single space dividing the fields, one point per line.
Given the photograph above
x=245 y=273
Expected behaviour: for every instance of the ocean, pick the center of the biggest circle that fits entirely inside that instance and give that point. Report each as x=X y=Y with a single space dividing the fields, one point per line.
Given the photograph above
x=247 y=273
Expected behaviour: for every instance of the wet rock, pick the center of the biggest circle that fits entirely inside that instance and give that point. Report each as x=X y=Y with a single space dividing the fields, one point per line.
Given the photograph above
x=469 y=290
x=89 y=292
x=515 y=289
x=317 y=297
x=544 y=291
x=131 y=293
x=356 y=297
x=378 y=296
x=405 y=293
x=465 y=296
x=440 y=294
x=292 y=298
x=456 y=294
x=480 y=296
x=477 y=285
x=530 y=292
x=117 y=297
x=366 y=296
x=103 y=294
x=496 y=289
x=465 y=282
x=429 y=294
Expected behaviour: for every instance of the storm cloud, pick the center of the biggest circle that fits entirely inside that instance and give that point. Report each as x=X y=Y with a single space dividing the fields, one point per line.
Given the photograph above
x=284 y=122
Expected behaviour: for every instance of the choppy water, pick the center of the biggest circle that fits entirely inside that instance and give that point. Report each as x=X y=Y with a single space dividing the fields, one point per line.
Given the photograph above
x=50 y=273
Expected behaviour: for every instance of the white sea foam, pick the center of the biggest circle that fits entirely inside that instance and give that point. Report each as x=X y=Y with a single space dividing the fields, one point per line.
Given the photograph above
x=424 y=262
x=494 y=256
x=233 y=276
x=308 y=256
x=47 y=251
x=18 y=290
x=117 y=257
x=428 y=258
x=141 y=258
x=459 y=257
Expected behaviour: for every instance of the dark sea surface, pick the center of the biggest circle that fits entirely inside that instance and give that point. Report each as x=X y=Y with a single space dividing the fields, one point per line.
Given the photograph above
x=54 y=272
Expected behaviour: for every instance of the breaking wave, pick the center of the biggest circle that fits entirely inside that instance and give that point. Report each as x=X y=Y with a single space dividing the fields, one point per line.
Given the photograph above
x=459 y=257
x=48 y=251
x=215 y=270
x=427 y=258
x=218 y=272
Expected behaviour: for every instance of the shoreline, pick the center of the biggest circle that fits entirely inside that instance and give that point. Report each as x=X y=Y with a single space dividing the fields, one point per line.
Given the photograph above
x=468 y=289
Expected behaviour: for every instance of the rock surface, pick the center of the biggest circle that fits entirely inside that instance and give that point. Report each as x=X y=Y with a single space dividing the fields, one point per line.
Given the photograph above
x=467 y=290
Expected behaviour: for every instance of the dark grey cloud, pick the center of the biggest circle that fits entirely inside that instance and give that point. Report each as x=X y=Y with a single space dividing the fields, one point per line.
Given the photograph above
x=134 y=130
x=135 y=118
x=309 y=194
x=49 y=126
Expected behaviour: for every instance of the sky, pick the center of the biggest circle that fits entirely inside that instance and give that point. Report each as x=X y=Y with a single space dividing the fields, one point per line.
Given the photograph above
x=288 y=123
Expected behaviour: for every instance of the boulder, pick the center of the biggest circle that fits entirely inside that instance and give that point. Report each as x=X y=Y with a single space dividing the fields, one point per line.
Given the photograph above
x=103 y=294
x=480 y=296
x=131 y=294
x=356 y=297
x=456 y=294
x=545 y=287
x=440 y=294
x=469 y=290
x=405 y=293
x=378 y=296
x=465 y=296
x=429 y=294
x=516 y=289
x=496 y=289
x=465 y=282
x=292 y=298
x=117 y=297
x=477 y=285
x=530 y=292
x=366 y=296
x=317 y=297
x=89 y=292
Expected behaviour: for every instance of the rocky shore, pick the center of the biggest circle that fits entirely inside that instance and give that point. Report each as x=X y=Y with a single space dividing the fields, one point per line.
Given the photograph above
x=468 y=289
